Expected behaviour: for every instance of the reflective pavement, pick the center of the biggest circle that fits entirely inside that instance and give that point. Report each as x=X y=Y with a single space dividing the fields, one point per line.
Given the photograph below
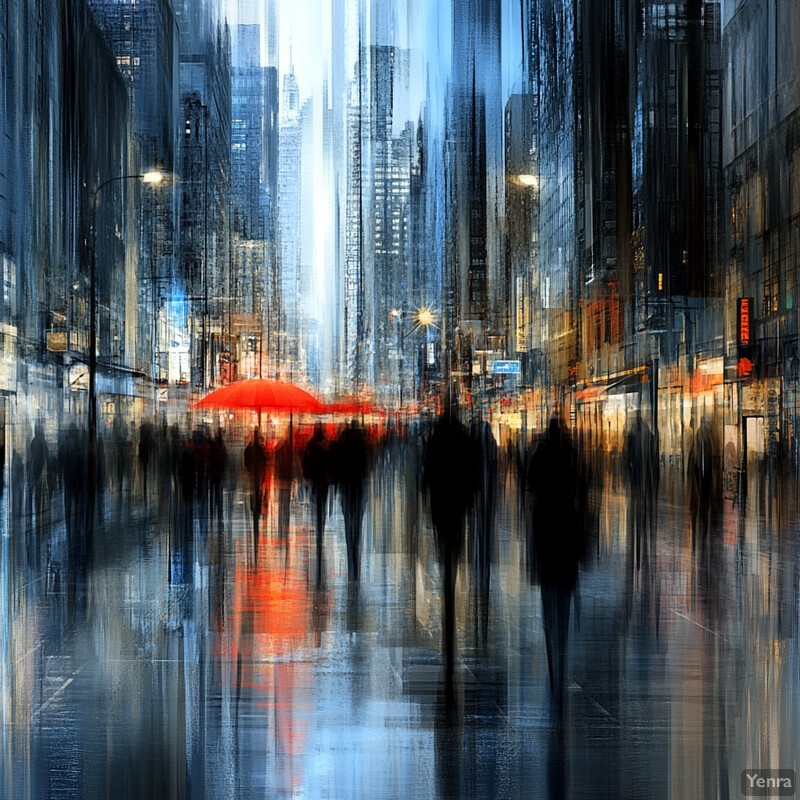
x=182 y=658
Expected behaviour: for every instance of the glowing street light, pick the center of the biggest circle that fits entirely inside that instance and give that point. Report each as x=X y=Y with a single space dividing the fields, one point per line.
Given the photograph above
x=425 y=317
x=153 y=177
x=529 y=180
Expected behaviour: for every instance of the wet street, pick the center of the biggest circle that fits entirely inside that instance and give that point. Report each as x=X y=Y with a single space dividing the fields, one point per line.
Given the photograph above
x=181 y=657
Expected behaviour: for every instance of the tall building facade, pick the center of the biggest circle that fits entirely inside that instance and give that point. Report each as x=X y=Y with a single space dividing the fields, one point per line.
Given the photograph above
x=144 y=39
x=56 y=221
x=289 y=207
x=474 y=259
x=761 y=157
x=378 y=288
x=201 y=307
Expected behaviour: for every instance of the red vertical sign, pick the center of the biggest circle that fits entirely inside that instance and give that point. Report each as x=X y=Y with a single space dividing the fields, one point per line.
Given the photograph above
x=745 y=305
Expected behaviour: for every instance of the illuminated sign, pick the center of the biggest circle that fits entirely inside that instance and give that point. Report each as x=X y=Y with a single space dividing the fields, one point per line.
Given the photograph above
x=506 y=367
x=57 y=341
x=745 y=305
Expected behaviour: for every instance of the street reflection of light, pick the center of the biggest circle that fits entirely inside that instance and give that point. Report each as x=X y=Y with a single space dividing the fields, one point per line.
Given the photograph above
x=152 y=177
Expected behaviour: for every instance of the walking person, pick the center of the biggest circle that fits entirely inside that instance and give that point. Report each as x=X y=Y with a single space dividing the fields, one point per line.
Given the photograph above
x=38 y=458
x=486 y=462
x=255 y=462
x=316 y=470
x=284 y=457
x=146 y=447
x=558 y=541
x=350 y=472
x=217 y=467
x=449 y=476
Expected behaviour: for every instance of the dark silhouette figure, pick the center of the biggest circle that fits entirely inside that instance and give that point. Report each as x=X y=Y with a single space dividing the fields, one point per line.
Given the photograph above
x=72 y=460
x=187 y=476
x=255 y=462
x=642 y=467
x=350 y=471
x=38 y=458
x=449 y=475
x=558 y=541
x=17 y=488
x=201 y=450
x=486 y=453
x=284 y=478
x=643 y=471
x=146 y=448
x=701 y=483
x=217 y=466
x=120 y=445
x=316 y=470
x=185 y=465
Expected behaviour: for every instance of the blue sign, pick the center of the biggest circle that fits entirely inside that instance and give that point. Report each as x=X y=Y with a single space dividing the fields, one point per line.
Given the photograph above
x=506 y=367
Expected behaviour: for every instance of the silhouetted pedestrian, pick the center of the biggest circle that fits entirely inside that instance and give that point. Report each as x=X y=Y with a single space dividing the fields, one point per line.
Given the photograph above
x=701 y=482
x=316 y=470
x=350 y=472
x=121 y=450
x=217 y=467
x=284 y=473
x=72 y=458
x=643 y=473
x=38 y=457
x=146 y=448
x=17 y=490
x=486 y=453
x=449 y=475
x=255 y=462
x=558 y=540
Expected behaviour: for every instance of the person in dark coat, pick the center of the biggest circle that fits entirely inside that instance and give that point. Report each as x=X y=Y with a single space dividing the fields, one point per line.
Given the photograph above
x=643 y=471
x=316 y=470
x=146 y=447
x=702 y=462
x=73 y=468
x=120 y=447
x=486 y=453
x=449 y=476
x=255 y=462
x=17 y=489
x=38 y=458
x=558 y=540
x=284 y=460
x=187 y=481
x=350 y=471
x=217 y=465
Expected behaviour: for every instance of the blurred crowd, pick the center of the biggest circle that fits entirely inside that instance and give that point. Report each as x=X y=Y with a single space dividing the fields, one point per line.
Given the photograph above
x=456 y=465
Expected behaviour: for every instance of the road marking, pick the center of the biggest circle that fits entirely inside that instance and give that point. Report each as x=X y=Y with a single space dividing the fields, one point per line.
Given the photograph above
x=694 y=622
x=58 y=691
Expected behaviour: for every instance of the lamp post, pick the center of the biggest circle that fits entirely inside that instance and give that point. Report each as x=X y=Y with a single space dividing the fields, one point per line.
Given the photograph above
x=424 y=317
x=152 y=178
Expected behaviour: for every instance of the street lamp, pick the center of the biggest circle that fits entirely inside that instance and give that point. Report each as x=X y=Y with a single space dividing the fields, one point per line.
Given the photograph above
x=424 y=317
x=153 y=177
x=529 y=180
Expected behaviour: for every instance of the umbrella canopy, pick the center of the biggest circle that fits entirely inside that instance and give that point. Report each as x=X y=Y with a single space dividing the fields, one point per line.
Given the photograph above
x=259 y=394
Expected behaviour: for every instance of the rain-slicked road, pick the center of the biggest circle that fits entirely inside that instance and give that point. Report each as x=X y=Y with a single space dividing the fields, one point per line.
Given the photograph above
x=187 y=662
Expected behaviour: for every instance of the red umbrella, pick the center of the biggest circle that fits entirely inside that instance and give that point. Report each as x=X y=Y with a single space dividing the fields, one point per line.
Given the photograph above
x=259 y=394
